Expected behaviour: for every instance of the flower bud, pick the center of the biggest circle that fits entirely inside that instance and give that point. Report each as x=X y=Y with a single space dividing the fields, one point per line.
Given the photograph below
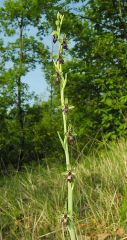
x=55 y=38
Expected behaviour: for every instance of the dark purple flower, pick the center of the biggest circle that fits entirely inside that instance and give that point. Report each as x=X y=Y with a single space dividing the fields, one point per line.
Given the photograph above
x=60 y=60
x=64 y=45
x=65 y=219
x=69 y=177
x=71 y=139
x=55 y=38
x=66 y=108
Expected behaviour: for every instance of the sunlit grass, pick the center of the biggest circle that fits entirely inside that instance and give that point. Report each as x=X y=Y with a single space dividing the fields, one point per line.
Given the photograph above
x=31 y=202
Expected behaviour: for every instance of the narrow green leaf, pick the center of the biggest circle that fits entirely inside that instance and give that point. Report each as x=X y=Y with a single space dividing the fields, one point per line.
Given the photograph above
x=62 y=143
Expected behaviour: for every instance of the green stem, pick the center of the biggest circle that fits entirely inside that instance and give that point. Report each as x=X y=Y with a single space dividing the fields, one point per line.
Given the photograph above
x=70 y=187
x=65 y=129
x=70 y=224
x=70 y=200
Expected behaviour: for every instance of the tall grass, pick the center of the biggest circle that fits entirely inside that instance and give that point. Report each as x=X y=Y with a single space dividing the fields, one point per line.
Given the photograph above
x=31 y=202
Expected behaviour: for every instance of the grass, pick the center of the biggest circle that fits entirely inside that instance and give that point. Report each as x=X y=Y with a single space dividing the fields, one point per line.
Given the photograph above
x=31 y=202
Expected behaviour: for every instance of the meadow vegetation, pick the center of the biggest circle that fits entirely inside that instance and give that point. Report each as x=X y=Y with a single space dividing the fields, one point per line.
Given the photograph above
x=31 y=202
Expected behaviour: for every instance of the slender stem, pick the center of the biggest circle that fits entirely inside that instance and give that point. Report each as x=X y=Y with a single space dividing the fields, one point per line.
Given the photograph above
x=70 y=223
x=70 y=200
x=65 y=130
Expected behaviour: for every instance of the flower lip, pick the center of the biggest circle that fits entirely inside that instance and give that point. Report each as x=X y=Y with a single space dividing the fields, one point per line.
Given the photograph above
x=66 y=108
x=64 y=45
x=65 y=219
x=71 y=139
x=69 y=177
x=60 y=60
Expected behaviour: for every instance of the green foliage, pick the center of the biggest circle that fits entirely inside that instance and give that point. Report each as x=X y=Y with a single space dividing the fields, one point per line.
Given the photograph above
x=41 y=127
x=40 y=141
x=20 y=54
x=96 y=67
x=97 y=71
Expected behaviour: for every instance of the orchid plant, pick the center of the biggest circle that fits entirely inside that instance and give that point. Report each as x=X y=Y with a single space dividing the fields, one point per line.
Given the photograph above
x=68 y=136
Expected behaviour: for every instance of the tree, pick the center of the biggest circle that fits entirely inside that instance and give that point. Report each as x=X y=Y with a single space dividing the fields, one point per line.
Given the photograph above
x=23 y=54
x=98 y=69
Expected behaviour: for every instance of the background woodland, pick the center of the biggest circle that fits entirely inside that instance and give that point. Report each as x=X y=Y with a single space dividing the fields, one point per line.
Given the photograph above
x=97 y=77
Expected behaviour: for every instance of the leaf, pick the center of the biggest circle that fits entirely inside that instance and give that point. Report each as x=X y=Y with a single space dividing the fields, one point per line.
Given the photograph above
x=66 y=100
x=70 y=229
x=108 y=101
x=56 y=66
x=53 y=33
x=123 y=99
x=71 y=107
x=64 y=81
x=54 y=63
x=62 y=143
x=72 y=187
x=61 y=19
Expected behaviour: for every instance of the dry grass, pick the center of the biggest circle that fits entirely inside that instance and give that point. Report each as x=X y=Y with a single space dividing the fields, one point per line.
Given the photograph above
x=32 y=202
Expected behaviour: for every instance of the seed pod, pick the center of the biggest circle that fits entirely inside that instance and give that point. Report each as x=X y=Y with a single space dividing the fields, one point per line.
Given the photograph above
x=71 y=139
x=64 y=45
x=65 y=219
x=55 y=38
x=66 y=108
x=69 y=177
x=57 y=78
x=60 y=60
